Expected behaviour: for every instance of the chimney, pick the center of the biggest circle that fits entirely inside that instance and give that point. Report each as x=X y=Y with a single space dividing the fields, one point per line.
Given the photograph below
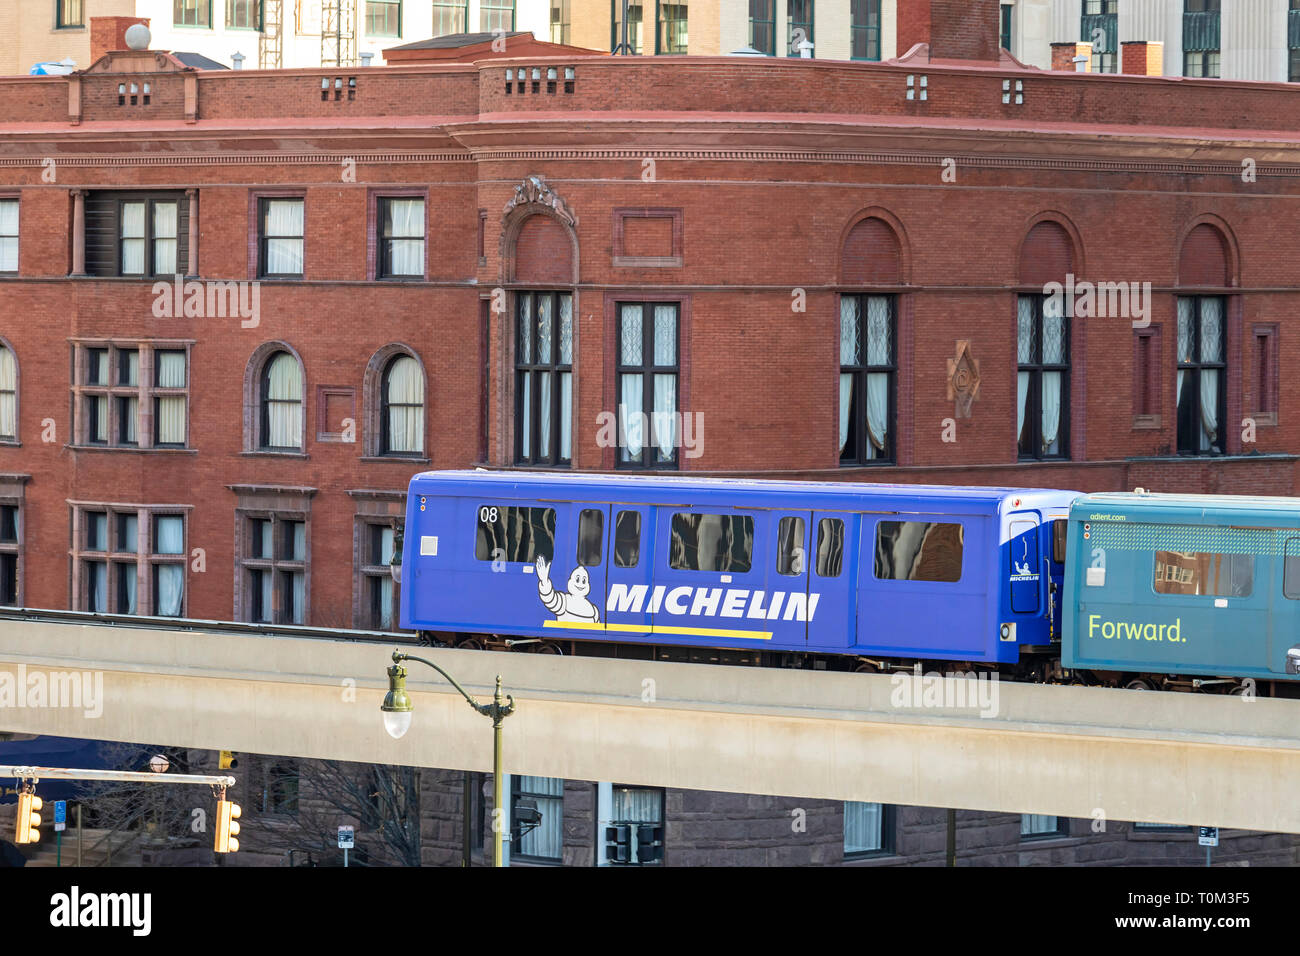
x=1063 y=55
x=1142 y=57
x=109 y=33
x=955 y=29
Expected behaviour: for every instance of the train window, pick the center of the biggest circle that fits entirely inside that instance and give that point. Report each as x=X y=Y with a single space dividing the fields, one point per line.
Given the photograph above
x=1060 y=528
x=1204 y=575
x=830 y=547
x=789 y=547
x=627 y=539
x=1291 y=570
x=515 y=534
x=919 y=551
x=591 y=537
x=711 y=543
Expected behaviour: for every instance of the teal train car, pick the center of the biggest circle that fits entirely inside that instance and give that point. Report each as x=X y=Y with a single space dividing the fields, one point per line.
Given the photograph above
x=1168 y=589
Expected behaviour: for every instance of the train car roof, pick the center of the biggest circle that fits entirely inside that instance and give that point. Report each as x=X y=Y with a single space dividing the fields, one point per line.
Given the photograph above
x=1205 y=505
x=688 y=491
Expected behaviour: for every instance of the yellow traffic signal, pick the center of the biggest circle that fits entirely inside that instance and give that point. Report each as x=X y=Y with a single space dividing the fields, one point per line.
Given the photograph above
x=29 y=819
x=227 y=760
x=227 y=814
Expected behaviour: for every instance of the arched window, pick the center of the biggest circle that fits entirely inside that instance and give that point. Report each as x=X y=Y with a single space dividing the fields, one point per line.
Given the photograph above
x=1204 y=264
x=401 y=413
x=871 y=257
x=8 y=395
x=1043 y=344
x=281 y=395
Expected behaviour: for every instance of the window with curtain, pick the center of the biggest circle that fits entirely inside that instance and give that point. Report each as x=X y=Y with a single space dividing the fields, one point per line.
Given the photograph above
x=70 y=13
x=1037 y=826
x=149 y=237
x=762 y=26
x=545 y=841
x=867 y=378
x=868 y=829
x=401 y=238
x=281 y=404
x=450 y=18
x=274 y=563
x=380 y=590
x=401 y=413
x=281 y=240
x=244 y=14
x=544 y=378
x=648 y=418
x=496 y=15
x=168 y=563
x=192 y=13
x=561 y=21
x=634 y=807
x=799 y=19
x=864 y=30
x=169 y=398
x=9 y=235
x=384 y=18
x=635 y=18
x=8 y=395
x=1043 y=377
x=1202 y=375
x=114 y=561
x=112 y=393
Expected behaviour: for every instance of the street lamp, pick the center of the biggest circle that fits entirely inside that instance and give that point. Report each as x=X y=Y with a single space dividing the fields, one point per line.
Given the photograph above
x=397 y=708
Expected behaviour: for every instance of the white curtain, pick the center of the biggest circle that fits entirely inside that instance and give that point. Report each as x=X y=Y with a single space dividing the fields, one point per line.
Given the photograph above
x=863 y=827
x=665 y=415
x=1186 y=331
x=630 y=411
x=877 y=414
x=1211 y=329
x=547 y=840
x=405 y=406
x=846 y=399
x=133 y=238
x=171 y=534
x=97 y=531
x=165 y=221
x=98 y=586
x=406 y=229
x=9 y=235
x=1036 y=823
x=129 y=368
x=299 y=541
x=1209 y=407
x=1051 y=411
x=171 y=408
x=284 y=219
x=544 y=416
x=130 y=579
x=130 y=417
x=98 y=367
x=385 y=583
x=526 y=416
x=264 y=586
x=1025 y=330
x=284 y=402
x=299 y=596
x=128 y=534
x=8 y=394
x=566 y=330
x=635 y=806
x=1022 y=393
x=101 y=417
x=566 y=415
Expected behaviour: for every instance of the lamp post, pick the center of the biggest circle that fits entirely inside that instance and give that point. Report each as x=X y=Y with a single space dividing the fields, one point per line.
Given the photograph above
x=397 y=708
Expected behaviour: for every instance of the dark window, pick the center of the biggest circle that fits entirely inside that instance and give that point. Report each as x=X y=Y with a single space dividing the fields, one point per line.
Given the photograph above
x=125 y=587
x=867 y=373
x=1043 y=377
x=8 y=524
x=711 y=543
x=128 y=532
x=919 y=551
x=544 y=378
x=275 y=559
x=1204 y=575
x=789 y=547
x=1005 y=33
x=375 y=566
x=1291 y=573
x=1202 y=375
x=244 y=14
x=1100 y=27
x=280 y=241
x=799 y=16
x=1060 y=537
x=1201 y=32
x=141 y=234
x=591 y=537
x=515 y=534
x=627 y=539
x=192 y=13
x=70 y=13
x=830 y=547
x=96 y=573
x=401 y=238
x=864 y=29
x=8 y=578
x=384 y=18
x=96 y=531
x=1293 y=58
x=647 y=385
x=762 y=26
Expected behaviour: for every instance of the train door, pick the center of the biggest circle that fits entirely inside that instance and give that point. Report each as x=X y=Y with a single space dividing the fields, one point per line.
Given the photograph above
x=629 y=567
x=783 y=605
x=833 y=575
x=1054 y=537
x=578 y=572
x=1025 y=564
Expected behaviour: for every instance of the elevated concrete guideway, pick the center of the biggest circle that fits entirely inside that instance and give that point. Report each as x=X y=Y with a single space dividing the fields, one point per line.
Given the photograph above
x=1067 y=751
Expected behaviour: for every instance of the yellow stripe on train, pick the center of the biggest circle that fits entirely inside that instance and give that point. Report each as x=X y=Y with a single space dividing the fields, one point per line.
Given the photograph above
x=661 y=629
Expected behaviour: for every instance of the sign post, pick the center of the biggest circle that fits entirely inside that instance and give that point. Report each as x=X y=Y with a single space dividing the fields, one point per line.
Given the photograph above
x=60 y=824
x=347 y=841
x=1208 y=837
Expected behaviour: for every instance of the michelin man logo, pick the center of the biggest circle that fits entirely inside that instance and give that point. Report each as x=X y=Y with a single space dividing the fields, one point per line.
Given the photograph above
x=570 y=606
x=1022 y=569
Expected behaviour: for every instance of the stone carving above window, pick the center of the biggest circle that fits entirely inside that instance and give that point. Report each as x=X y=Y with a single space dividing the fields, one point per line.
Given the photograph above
x=535 y=191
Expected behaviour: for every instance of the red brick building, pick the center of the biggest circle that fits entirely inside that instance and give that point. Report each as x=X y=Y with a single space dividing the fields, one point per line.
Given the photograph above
x=814 y=268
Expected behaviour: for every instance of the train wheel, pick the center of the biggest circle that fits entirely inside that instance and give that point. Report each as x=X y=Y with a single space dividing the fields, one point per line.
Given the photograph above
x=548 y=647
x=865 y=667
x=1139 y=684
x=471 y=644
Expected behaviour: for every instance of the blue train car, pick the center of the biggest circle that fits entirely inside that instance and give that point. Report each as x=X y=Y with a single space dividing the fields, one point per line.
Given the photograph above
x=1184 y=585
x=888 y=571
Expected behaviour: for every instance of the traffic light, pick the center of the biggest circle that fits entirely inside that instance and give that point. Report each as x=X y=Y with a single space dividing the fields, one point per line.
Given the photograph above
x=29 y=818
x=618 y=844
x=227 y=760
x=227 y=814
x=649 y=843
